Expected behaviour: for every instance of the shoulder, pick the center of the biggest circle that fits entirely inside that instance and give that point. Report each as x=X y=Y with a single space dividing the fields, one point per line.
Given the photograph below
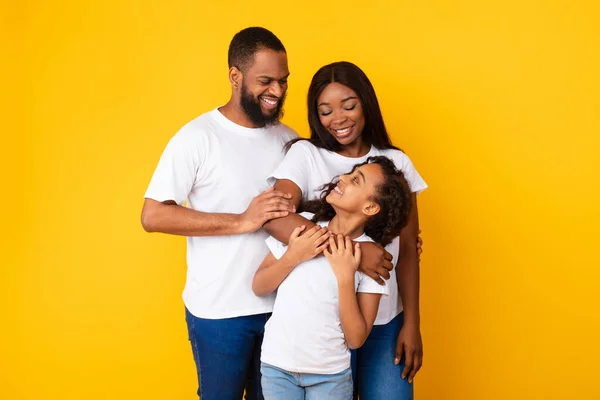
x=397 y=156
x=284 y=131
x=195 y=131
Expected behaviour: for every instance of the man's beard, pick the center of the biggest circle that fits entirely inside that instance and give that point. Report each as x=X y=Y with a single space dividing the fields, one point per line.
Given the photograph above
x=251 y=107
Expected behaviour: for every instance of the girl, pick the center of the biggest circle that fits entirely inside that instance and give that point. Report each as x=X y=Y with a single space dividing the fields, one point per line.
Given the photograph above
x=317 y=314
x=347 y=127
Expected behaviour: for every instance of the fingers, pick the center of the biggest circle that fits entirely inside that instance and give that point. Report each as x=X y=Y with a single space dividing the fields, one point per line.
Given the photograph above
x=387 y=256
x=332 y=245
x=348 y=243
x=322 y=249
x=416 y=366
x=296 y=232
x=399 y=352
x=408 y=363
x=323 y=238
x=271 y=192
x=387 y=265
x=312 y=231
x=277 y=204
x=276 y=214
x=357 y=253
x=384 y=273
x=340 y=242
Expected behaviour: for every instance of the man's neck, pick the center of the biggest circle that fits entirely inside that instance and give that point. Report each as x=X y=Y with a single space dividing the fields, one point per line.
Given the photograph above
x=233 y=111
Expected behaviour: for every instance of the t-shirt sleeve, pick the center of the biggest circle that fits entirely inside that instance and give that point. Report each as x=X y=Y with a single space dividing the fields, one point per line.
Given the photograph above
x=295 y=167
x=417 y=184
x=276 y=247
x=366 y=284
x=175 y=174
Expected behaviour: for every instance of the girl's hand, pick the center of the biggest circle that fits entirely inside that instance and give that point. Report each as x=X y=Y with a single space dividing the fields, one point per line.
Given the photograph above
x=307 y=246
x=344 y=262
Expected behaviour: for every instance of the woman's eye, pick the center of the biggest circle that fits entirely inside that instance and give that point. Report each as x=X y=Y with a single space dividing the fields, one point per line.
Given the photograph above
x=326 y=113
x=350 y=108
x=355 y=179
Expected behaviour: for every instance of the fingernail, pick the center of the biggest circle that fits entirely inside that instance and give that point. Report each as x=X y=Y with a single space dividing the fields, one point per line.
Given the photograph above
x=410 y=381
x=396 y=361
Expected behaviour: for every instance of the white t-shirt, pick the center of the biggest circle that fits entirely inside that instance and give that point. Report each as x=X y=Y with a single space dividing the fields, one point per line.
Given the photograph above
x=218 y=166
x=310 y=167
x=304 y=334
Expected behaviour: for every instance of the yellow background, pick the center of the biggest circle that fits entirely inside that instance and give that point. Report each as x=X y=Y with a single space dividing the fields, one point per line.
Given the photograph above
x=496 y=103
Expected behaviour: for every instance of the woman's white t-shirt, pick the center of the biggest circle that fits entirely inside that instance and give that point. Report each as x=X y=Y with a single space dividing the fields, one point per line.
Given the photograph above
x=311 y=167
x=304 y=334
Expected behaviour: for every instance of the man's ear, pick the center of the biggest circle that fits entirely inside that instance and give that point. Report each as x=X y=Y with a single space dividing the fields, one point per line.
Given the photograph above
x=371 y=209
x=235 y=77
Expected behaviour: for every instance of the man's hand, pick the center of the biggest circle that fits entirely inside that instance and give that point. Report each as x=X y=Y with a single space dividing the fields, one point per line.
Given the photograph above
x=375 y=262
x=268 y=205
x=410 y=346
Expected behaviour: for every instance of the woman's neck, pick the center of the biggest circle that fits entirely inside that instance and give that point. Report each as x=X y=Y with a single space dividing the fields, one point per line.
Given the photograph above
x=356 y=149
x=347 y=224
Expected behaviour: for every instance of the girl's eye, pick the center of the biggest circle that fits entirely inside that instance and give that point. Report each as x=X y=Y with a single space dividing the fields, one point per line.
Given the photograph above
x=350 y=108
x=355 y=179
x=324 y=114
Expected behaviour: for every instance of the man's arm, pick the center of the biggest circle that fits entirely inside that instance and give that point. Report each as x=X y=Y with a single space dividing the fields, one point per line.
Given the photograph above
x=168 y=217
x=409 y=342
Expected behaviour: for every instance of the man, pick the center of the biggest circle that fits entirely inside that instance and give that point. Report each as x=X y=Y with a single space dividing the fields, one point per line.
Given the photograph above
x=219 y=162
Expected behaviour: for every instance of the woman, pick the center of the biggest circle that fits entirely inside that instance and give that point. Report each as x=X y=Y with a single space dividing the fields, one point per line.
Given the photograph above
x=346 y=128
x=318 y=314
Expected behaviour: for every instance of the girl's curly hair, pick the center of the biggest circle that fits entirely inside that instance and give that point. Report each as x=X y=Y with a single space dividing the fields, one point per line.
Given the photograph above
x=393 y=197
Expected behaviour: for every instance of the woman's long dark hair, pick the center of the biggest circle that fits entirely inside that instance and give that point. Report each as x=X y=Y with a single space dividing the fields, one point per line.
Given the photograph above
x=348 y=74
x=393 y=196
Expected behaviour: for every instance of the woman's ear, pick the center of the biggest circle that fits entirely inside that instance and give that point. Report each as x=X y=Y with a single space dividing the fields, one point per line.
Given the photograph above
x=371 y=209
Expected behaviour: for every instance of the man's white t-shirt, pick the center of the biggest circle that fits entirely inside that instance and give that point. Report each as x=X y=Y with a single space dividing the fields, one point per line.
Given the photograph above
x=217 y=166
x=304 y=334
x=311 y=167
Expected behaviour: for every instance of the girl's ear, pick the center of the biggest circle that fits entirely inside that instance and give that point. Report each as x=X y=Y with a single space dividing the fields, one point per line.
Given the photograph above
x=371 y=209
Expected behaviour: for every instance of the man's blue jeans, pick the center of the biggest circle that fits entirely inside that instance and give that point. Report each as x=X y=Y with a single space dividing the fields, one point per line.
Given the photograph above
x=227 y=355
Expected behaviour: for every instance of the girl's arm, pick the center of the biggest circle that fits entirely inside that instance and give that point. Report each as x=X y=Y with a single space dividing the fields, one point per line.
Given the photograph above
x=357 y=313
x=272 y=271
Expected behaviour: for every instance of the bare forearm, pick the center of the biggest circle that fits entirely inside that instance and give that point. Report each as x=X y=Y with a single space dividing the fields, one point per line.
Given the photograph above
x=281 y=228
x=353 y=322
x=407 y=275
x=177 y=220
x=267 y=279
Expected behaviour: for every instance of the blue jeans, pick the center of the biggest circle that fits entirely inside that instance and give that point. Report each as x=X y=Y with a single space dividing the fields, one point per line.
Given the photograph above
x=279 y=384
x=375 y=375
x=227 y=355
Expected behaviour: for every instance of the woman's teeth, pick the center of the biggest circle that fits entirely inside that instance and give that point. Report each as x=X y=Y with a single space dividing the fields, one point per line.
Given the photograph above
x=338 y=190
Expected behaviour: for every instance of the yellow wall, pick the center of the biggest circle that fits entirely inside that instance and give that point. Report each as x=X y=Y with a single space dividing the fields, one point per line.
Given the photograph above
x=496 y=103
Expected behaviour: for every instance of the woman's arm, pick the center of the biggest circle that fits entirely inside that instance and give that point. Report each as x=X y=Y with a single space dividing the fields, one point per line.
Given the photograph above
x=281 y=228
x=409 y=342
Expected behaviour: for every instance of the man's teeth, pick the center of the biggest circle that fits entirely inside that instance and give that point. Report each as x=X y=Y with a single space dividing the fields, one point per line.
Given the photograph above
x=268 y=101
x=343 y=130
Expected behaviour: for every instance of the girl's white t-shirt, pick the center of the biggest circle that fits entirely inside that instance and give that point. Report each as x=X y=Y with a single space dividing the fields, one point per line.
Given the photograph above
x=310 y=167
x=304 y=334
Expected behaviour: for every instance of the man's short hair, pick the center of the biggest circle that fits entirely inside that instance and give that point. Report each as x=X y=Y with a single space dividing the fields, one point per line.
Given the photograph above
x=246 y=43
